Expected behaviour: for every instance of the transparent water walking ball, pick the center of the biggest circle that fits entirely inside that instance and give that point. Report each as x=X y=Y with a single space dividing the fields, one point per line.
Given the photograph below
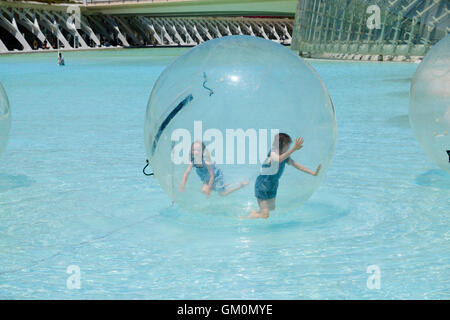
x=5 y=119
x=234 y=94
x=429 y=109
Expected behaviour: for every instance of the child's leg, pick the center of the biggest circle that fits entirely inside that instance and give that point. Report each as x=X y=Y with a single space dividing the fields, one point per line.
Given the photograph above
x=264 y=207
x=271 y=204
x=235 y=188
x=205 y=189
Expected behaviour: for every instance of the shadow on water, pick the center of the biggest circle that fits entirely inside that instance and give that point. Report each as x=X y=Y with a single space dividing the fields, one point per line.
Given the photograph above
x=310 y=215
x=9 y=182
x=399 y=94
x=399 y=80
x=175 y=214
x=435 y=179
x=400 y=121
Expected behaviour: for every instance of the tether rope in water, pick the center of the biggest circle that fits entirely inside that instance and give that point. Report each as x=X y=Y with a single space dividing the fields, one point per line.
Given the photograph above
x=143 y=170
x=211 y=92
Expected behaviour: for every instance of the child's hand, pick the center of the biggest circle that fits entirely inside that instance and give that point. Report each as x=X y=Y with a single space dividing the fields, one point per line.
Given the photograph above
x=298 y=144
x=206 y=190
x=182 y=188
x=318 y=170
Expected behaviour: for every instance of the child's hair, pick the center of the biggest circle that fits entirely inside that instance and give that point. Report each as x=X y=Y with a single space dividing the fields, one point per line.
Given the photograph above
x=283 y=140
x=192 y=151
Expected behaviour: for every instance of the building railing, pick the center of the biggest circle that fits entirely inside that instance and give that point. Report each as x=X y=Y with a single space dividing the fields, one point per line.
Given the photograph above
x=89 y=2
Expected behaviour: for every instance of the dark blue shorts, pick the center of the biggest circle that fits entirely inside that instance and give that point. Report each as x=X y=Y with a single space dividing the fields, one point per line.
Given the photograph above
x=266 y=187
x=219 y=183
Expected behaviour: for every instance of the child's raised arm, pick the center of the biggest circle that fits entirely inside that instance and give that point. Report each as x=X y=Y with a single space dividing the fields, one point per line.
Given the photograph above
x=305 y=169
x=185 y=176
x=297 y=146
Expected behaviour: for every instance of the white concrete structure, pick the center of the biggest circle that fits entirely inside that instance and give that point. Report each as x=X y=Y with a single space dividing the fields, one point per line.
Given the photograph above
x=26 y=27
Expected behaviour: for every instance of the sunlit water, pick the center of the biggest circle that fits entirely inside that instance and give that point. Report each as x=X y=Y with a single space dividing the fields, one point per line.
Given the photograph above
x=72 y=193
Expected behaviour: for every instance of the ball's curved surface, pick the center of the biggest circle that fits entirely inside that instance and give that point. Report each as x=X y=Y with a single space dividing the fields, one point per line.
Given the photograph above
x=238 y=83
x=429 y=108
x=5 y=119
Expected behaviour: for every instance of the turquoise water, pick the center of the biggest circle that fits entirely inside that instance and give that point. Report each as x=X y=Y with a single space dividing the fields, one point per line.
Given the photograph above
x=72 y=193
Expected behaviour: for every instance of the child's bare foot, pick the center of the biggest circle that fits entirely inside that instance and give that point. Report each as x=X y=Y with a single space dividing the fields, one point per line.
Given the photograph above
x=250 y=216
x=235 y=188
x=257 y=215
x=253 y=215
x=242 y=184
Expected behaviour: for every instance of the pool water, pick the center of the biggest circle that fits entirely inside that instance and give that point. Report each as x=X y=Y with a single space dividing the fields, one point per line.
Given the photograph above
x=72 y=193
